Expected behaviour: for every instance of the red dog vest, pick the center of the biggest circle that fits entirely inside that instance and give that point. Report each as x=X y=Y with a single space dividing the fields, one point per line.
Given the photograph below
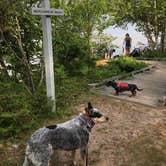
x=122 y=84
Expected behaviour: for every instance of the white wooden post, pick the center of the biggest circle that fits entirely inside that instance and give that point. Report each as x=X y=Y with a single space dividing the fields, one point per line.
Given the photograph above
x=45 y=13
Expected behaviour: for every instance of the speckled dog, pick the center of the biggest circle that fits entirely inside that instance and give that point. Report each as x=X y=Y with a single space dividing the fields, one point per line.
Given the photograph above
x=71 y=135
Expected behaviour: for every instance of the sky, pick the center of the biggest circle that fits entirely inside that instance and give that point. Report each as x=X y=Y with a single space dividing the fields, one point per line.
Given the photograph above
x=120 y=34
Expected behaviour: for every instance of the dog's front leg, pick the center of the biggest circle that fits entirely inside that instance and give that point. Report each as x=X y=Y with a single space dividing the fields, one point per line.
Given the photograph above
x=117 y=93
x=74 y=157
x=84 y=156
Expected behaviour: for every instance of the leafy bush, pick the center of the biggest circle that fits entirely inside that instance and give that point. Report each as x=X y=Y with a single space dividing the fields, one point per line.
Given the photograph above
x=12 y=97
x=119 y=66
x=21 y=111
x=68 y=90
x=154 y=54
x=13 y=123
x=74 y=55
x=127 y=64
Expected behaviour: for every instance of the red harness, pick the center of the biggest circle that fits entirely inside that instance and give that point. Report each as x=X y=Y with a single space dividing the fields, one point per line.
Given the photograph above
x=122 y=84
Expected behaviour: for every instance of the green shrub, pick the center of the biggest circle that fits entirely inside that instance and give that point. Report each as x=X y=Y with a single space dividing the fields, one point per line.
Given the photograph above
x=127 y=64
x=13 y=123
x=41 y=106
x=68 y=90
x=119 y=66
x=154 y=54
x=12 y=103
x=20 y=111
x=12 y=97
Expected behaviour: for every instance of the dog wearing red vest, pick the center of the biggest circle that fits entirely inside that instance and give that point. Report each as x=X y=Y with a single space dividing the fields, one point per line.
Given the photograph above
x=121 y=87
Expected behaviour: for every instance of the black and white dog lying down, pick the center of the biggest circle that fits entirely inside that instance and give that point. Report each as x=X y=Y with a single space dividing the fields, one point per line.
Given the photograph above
x=71 y=135
x=121 y=87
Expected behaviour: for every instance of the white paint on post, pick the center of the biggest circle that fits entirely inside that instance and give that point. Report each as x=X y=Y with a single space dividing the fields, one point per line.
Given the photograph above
x=46 y=12
x=48 y=54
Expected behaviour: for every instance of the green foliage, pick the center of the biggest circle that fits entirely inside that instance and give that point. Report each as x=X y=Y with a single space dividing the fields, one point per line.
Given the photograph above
x=19 y=110
x=74 y=55
x=148 y=16
x=154 y=54
x=68 y=89
x=101 y=44
x=127 y=64
x=13 y=123
x=40 y=106
x=119 y=66
x=12 y=97
x=73 y=33
x=22 y=94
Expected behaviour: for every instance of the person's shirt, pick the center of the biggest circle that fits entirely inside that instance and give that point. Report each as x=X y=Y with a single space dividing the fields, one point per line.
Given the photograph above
x=127 y=42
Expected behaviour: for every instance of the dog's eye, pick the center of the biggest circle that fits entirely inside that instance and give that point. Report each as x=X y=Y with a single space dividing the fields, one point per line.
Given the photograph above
x=90 y=112
x=95 y=114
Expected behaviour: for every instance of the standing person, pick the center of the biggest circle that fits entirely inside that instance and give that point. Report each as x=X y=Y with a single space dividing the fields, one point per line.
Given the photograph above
x=127 y=44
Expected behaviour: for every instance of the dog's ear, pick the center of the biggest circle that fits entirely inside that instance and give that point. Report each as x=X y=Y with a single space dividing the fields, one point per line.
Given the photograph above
x=89 y=106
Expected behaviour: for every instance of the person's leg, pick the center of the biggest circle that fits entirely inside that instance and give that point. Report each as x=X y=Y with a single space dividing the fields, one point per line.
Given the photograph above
x=127 y=51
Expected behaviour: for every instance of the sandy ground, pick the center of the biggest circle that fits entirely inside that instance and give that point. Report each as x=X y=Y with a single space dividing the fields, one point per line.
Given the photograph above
x=134 y=136
x=129 y=124
x=132 y=132
x=153 y=83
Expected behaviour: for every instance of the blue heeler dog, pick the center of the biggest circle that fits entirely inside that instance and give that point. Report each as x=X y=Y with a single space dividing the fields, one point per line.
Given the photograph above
x=71 y=135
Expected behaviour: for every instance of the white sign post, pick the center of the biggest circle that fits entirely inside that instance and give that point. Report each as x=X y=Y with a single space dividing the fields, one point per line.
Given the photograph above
x=45 y=12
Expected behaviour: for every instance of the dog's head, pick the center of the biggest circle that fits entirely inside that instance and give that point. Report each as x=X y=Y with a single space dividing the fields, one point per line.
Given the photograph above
x=95 y=114
x=110 y=83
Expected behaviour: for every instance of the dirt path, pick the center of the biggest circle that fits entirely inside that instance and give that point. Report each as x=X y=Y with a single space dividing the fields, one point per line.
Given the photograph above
x=134 y=136
x=153 y=83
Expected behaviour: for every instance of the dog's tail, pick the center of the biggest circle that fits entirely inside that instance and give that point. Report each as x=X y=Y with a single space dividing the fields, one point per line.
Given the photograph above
x=139 y=89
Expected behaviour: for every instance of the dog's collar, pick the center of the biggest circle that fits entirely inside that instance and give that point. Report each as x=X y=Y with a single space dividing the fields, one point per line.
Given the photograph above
x=87 y=117
x=89 y=121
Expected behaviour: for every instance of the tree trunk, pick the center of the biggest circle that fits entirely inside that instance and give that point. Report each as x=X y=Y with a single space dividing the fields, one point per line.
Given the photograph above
x=156 y=32
x=148 y=34
x=25 y=60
